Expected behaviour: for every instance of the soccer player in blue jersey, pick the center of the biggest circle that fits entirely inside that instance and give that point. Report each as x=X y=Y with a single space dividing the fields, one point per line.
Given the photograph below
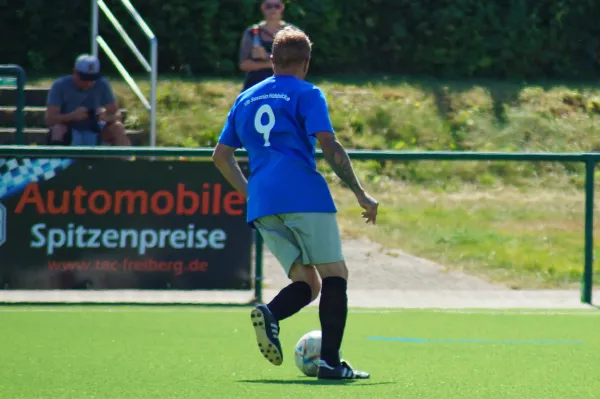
x=278 y=122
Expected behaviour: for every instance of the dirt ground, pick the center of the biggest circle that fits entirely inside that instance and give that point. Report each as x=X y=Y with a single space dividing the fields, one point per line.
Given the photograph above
x=372 y=268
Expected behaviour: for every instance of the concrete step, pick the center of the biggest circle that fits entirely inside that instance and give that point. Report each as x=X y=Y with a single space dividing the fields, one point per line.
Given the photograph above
x=33 y=116
x=38 y=136
x=35 y=126
x=34 y=96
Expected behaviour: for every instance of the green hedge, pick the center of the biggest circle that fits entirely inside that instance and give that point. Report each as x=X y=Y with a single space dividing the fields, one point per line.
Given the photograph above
x=446 y=38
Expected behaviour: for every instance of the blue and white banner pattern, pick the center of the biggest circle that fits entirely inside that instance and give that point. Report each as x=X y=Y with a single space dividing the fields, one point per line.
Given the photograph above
x=17 y=173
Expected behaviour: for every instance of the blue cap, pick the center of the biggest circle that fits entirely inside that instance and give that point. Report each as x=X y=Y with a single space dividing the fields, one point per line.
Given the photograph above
x=88 y=67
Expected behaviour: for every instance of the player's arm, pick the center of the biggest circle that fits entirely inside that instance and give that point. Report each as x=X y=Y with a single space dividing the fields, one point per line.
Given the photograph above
x=228 y=166
x=337 y=157
x=314 y=110
x=225 y=160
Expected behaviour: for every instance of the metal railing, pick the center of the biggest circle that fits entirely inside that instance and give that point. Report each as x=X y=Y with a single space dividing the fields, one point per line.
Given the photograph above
x=16 y=70
x=589 y=159
x=151 y=67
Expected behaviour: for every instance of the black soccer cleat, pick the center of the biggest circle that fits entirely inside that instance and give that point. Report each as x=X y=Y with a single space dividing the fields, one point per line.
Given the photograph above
x=267 y=334
x=342 y=372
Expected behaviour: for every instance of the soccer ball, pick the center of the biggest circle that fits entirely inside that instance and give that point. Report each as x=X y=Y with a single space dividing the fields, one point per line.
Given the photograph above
x=308 y=353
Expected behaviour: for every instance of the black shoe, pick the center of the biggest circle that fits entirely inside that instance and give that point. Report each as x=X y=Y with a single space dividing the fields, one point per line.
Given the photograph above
x=267 y=334
x=342 y=372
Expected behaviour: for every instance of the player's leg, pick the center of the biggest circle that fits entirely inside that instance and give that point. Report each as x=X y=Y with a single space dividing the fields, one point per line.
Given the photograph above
x=333 y=312
x=303 y=289
x=320 y=237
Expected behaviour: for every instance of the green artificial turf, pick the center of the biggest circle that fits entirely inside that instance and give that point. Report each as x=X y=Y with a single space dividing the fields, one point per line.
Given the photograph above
x=127 y=352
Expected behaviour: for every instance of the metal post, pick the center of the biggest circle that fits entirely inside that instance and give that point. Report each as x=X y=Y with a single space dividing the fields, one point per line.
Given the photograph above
x=19 y=72
x=19 y=137
x=588 y=271
x=94 y=28
x=153 y=79
x=258 y=263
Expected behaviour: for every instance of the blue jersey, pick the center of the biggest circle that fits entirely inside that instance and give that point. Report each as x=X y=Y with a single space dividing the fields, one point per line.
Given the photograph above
x=276 y=122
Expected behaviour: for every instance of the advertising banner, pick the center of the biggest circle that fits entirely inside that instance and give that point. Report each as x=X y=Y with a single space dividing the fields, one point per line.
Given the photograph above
x=115 y=224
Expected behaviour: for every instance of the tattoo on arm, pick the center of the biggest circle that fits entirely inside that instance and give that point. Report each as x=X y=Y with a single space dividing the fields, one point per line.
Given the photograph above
x=339 y=161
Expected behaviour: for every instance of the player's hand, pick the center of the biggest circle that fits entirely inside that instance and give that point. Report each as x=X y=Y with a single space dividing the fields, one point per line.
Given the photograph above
x=80 y=114
x=370 y=205
x=259 y=53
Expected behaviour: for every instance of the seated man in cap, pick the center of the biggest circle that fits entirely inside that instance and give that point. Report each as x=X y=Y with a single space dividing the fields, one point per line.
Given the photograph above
x=82 y=109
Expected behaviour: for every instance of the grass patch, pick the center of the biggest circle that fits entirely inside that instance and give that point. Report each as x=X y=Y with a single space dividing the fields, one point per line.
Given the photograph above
x=526 y=238
x=516 y=222
x=179 y=353
x=409 y=114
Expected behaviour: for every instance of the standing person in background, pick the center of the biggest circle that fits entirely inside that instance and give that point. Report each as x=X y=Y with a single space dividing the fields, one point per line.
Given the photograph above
x=257 y=43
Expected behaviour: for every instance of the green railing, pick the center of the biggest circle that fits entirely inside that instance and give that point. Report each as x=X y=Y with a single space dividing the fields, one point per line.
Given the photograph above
x=19 y=73
x=150 y=67
x=589 y=159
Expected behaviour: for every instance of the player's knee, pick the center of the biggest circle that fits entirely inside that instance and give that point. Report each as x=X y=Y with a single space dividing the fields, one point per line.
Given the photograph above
x=315 y=289
x=334 y=269
x=307 y=274
x=341 y=271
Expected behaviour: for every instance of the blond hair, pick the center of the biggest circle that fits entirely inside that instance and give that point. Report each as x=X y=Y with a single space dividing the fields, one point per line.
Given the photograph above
x=291 y=47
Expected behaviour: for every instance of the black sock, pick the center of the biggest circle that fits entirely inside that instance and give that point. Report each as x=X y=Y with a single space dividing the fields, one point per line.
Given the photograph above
x=333 y=310
x=290 y=300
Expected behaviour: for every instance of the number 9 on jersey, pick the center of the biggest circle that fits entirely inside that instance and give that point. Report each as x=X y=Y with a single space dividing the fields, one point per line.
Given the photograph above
x=265 y=130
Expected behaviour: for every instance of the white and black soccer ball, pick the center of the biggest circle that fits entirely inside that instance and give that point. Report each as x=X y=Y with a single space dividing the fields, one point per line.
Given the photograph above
x=308 y=353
